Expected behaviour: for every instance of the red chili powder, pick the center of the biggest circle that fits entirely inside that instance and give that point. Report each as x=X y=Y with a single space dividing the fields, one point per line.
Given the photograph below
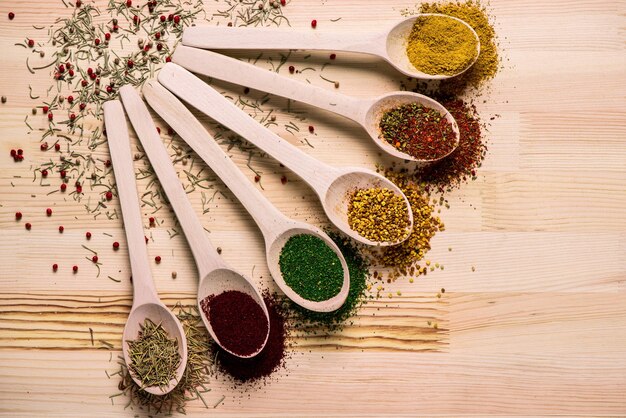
x=270 y=359
x=461 y=165
x=237 y=320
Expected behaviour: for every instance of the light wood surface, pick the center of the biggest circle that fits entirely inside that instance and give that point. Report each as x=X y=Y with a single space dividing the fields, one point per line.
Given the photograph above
x=539 y=328
x=214 y=274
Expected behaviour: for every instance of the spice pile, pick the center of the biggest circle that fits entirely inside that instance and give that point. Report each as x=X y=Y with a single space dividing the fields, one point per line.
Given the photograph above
x=440 y=46
x=462 y=164
x=193 y=382
x=419 y=131
x=237 y=320
x=378 y=214
x=402 y=259
x=311 y=268
x=486 y=66
x=316 y=323
x=269 y=360
x=154 y=356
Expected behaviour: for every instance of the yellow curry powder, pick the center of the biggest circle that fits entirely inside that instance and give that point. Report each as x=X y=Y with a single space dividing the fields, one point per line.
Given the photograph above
x=488 y=62
x=440 y=46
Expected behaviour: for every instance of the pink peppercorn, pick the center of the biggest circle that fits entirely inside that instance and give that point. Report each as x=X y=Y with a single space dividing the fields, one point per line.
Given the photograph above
x=11 y=15
x=49 y=212
x=116 y=245
x=57 y=146
x=55 y=267
x=61 y=229
x=44 y=173
x=27 y=225
x=31 y=43
x=18 y=216
x=88 y=235
x=109 y=195
x=94 y=258
x=157 y=259
x=313 y=23
x=75 y=269
x=63 y=187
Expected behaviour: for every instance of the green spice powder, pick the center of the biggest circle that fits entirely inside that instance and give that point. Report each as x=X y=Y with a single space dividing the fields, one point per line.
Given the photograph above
x=311 y=268
x=440 y=45
x=311 y=322
x=154 y=356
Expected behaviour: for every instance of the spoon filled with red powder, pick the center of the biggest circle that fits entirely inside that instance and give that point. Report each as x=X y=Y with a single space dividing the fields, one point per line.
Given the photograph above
x=231 y=306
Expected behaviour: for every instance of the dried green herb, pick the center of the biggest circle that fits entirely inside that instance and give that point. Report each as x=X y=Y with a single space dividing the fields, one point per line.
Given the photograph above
x=154 y=356
x=194 y=381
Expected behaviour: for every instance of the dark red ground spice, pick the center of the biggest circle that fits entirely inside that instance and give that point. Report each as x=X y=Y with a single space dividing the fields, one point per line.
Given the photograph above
x=237 y=320
x=269 y=360
x=461 y=165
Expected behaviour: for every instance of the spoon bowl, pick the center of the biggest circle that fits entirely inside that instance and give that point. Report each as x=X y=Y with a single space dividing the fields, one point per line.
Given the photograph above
x=275 y=227
x=396 y=42
x=273 y=251
x=372 y=116
x=159 y=314
x=337 y=199
x=388 y=43
x=221 y=280
x=366 y=112
x=146 y=302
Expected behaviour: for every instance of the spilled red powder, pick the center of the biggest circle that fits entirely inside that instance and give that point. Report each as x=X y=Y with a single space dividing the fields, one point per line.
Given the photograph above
x=237 y=320
x=270 y=359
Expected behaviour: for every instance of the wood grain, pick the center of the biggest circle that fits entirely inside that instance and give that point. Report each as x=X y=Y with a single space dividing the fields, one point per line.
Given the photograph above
x=533 y=319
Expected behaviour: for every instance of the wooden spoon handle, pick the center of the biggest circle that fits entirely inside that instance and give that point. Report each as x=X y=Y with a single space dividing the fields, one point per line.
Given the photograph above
x=216 y=37
x=269 y=219
x=207 y=100
x=232 y=70
x=204 y=253
x=119 y=147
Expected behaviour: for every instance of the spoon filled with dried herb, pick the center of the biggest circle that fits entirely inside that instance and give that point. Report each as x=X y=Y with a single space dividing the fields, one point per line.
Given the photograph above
x=154 y=343
x=243 y=331
x=334 y=186
x=305 y=263
x=424 y=136
x=416 y=46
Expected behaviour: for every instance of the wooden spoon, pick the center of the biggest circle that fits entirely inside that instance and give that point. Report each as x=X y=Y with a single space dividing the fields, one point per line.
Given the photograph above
x=332 y=185
x=215 y=275
x=276 y=227
x=389 y=43
x=146 y=302
x=366 y=112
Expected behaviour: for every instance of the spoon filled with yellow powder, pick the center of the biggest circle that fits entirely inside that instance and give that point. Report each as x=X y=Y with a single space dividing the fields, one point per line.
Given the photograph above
x=427 y=46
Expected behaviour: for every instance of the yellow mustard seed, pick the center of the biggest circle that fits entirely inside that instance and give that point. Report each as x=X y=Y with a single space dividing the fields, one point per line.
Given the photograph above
x=378 y=214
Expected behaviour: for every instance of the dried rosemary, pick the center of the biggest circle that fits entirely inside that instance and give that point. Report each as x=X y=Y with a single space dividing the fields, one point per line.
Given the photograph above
x=154 y=356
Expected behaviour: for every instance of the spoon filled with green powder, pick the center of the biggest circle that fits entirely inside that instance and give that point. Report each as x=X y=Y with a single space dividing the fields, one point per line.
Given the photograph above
x=305 y=263
x=448 y=40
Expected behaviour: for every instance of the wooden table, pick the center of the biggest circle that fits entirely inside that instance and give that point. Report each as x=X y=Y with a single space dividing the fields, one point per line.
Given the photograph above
x=539 y=328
